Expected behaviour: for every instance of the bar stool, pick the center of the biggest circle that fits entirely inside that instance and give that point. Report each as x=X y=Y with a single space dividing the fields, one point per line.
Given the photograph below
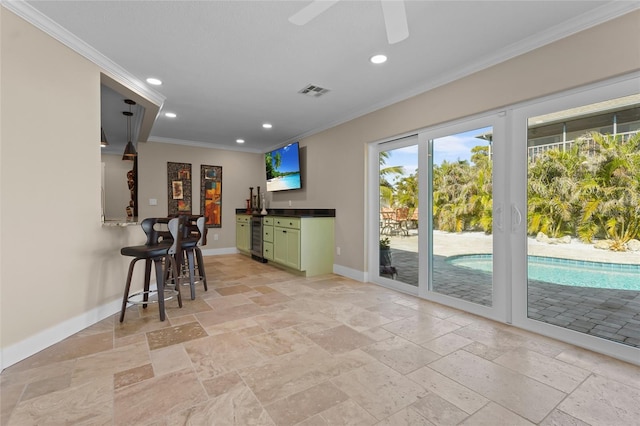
x=157 y=251
x=194 y=237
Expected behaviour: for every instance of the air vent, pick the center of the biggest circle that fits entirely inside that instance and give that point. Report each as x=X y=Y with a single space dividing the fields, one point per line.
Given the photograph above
x=313 y=91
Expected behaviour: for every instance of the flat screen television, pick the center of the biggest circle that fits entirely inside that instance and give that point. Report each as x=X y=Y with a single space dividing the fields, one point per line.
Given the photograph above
x=283 y=168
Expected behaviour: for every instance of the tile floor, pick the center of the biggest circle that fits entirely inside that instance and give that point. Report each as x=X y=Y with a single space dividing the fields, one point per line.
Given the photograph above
x=264 y=347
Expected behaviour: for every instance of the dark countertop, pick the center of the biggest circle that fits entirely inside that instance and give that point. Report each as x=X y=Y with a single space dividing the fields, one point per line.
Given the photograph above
x=295 y=212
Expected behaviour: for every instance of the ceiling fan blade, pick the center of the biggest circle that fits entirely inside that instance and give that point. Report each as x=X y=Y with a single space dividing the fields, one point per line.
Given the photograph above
x=395 y=20
x=310 y=11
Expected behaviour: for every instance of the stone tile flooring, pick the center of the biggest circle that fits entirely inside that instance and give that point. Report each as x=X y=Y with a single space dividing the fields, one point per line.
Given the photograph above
x=607 y=313
x=264 y=347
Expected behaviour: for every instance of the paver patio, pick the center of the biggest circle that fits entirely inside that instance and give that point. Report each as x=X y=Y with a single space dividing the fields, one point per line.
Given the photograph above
x=607 y=313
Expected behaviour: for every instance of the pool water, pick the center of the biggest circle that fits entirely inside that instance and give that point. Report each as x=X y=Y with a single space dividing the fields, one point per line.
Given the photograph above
x=577 y=273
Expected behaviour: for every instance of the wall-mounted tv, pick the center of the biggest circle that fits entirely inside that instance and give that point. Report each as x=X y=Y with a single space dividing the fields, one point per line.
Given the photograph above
x=283 y=168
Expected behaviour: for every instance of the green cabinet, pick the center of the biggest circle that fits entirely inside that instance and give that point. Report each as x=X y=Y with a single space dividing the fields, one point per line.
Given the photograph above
x=301 y=243
x=267 y=238
x=286 y=243
x=243 y=232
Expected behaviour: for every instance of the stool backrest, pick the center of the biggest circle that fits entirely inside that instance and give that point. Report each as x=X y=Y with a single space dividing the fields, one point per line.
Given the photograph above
x=176 y=228
x=203 y=231
x=148 y=226
x=153 y=227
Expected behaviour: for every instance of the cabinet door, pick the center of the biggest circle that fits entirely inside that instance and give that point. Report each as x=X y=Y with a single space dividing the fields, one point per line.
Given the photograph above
x=280 y=243
x=243 y=233
x=267 y=250
x=293 y=248
x=286 y=247
x=267 y=234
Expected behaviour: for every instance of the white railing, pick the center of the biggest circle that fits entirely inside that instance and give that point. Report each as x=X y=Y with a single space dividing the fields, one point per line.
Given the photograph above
x=534 y=151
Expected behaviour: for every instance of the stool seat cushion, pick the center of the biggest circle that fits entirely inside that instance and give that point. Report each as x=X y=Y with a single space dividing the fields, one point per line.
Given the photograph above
x=146 y=251
x=190 y=242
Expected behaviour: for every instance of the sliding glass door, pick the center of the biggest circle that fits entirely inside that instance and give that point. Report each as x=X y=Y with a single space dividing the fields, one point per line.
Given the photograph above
x=439 y=215
x=467 y=254
x=539 y=227
x=398 y=212
x=577 y=204
x=461 y=231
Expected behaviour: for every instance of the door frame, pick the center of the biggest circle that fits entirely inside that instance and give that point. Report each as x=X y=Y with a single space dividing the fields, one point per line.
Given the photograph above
x=510 y=193
x=374 y=207
x=500 y=309
x=611 y=89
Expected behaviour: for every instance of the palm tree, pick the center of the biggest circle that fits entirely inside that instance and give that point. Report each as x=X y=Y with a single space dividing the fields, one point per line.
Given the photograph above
x=554 y=192
x=277 y=159
x=269 y=166
x=481 y=198
x=450 y=189
x=612 y=196
x=463 y=194
x=386 y=187
x=407 y=191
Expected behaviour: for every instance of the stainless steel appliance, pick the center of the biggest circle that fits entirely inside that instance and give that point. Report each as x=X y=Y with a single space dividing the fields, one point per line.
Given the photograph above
x=256 y=239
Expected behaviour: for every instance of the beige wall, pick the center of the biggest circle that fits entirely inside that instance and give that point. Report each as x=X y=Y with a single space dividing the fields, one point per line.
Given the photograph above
x=336 y=158
x=1 y=188
x=58 y=266
x=240 y=170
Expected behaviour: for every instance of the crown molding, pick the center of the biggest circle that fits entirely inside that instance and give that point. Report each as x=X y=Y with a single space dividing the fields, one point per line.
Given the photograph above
x=198 y=144
x=580 y=23
x=113 y=70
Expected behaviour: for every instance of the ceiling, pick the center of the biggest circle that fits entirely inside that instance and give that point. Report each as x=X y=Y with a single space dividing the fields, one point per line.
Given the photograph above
x=229 y=66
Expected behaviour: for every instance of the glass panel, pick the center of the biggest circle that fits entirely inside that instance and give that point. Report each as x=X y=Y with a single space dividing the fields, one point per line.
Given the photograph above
x=462 y=200
x=399 y=214
x=583 y=222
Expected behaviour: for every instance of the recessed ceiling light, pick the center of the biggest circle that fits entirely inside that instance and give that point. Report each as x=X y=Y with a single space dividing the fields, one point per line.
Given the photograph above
x=240 y=140
x=267 y=125
x=378 y=59
x=170 y=114
x=154 y=81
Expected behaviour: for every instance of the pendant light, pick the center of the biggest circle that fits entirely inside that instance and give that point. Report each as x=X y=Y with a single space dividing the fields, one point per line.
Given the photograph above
x=130 y=150
x=103 y=139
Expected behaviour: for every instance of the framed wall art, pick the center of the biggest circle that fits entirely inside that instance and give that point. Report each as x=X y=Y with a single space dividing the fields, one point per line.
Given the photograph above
x=179 y=187
x=211 y=195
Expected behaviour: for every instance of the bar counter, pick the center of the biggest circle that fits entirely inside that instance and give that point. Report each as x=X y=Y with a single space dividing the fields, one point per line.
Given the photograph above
x=294 y=212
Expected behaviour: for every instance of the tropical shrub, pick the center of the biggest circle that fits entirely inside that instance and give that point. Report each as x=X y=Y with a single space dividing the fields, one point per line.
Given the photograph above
x=462 y=194
x=554 y=192
x=590 y=191
x=611 y=190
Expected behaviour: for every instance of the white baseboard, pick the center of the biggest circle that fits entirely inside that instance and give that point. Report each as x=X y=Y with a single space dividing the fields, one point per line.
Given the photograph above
x=52 y=335
x=354 y=274
x=42 y=340
x=214 y=252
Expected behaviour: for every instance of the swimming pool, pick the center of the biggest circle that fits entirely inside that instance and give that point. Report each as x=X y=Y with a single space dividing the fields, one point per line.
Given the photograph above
x=577 y=273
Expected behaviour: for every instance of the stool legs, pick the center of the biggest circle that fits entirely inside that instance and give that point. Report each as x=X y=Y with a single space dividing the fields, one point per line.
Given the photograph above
x=201 y=268
x=126 y=289
x=147 y=279
x=173 y=270
x=194 y=263
x=160 y=283
x=162 y=275
x=170 y=262
x=192 y=278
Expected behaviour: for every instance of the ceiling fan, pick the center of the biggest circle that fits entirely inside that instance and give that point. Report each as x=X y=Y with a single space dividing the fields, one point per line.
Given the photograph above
x=395 y=16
